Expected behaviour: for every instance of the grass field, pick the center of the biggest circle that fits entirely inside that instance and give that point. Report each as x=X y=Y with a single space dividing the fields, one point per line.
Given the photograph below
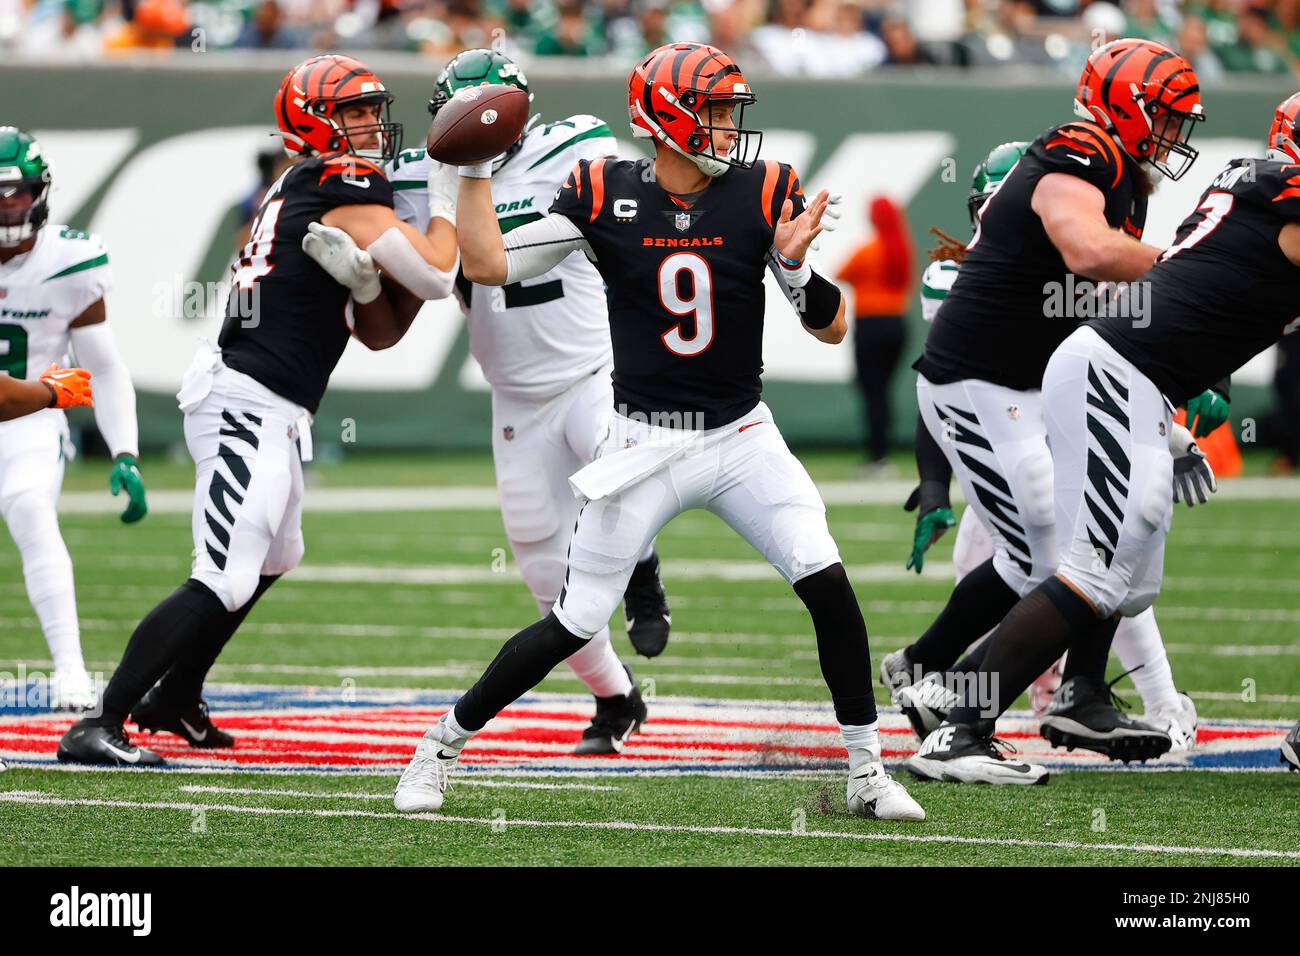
x=397 y=608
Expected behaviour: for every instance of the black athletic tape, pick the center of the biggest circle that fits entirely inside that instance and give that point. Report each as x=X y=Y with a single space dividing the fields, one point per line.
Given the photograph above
x=818 y=301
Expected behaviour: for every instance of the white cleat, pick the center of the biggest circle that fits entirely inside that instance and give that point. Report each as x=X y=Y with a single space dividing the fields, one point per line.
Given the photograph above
x=424 y=781
x=1178 y=717
x=74 y=691
x=874 y=793
x=927 y=703
x=3 y=766
x=965 y=753
x=895 y=671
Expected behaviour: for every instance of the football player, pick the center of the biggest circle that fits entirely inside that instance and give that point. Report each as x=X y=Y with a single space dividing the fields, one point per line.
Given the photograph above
x=1291 y=748
x=1138 y=643
x=1074 y=205
x=544 y=347
x=681 y=241
x=248 y=403
x=1219 y=295
x=53 y=280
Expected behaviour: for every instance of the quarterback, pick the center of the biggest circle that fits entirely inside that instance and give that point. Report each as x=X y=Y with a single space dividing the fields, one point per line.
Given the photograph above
x=248 y=403
x=543 y=345
x=52 y=285
x=682 y=242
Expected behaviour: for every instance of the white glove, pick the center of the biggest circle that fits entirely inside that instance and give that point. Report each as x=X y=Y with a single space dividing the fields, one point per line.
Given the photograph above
x=444 y=183
x=335 y=252
x=1193 y=476
x=830 y=218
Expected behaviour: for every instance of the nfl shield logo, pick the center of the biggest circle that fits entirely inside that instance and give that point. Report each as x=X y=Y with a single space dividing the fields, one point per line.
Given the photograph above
x=682 y=221
x=508 y=433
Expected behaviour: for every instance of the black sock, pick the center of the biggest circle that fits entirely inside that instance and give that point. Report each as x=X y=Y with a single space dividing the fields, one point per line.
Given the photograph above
x=841 y=643
x=519 y=666
x=979 y=601
x=973 y=660
x=182 y=685
x=1090 y=652
x=1034 y=633
x=183 y=618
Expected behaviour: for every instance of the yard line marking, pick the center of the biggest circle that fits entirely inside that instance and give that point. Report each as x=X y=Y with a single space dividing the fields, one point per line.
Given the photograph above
x=507 y=785
x=38 y=798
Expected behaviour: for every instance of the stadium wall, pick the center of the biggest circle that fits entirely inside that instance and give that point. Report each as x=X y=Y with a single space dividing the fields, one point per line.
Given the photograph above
x=156 y=158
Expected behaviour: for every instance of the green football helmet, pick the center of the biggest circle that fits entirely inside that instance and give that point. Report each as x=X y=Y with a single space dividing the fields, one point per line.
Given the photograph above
x=477 y=68
x=992 y=169
x=24 y=186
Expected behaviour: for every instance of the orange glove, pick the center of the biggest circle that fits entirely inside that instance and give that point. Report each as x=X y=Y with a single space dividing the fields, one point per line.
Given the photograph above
x=71 y=386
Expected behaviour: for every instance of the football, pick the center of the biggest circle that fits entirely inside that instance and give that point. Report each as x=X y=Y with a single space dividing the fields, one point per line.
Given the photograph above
x=478 y=123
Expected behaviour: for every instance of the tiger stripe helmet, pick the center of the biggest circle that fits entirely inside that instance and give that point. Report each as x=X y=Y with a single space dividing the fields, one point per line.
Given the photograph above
x=1147 y=97
x=310 y=98
x=668 y=98
x=1281 y=135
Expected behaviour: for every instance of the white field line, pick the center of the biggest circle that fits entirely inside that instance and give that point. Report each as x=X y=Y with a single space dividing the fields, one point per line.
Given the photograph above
x=460 y=780
x=37 y=798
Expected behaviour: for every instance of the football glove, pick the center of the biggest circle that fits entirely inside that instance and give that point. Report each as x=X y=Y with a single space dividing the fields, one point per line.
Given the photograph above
x=126 y=475
x=444 y=184
x=71 y=387
x=1209 y=409
x=934 y=517
x=1193 y=477
x=335 y=252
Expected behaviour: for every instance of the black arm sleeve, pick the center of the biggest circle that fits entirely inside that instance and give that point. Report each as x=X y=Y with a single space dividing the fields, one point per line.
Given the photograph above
x=934 y=470
x=820 y=302
x=1223 y=387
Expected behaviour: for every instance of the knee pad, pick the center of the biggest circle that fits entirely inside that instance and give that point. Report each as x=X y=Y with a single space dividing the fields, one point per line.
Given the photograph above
x=543 y=572
x=233 y=589
x=286 y=558
x=1035 y=488
x=587 y=601
x=32 y=517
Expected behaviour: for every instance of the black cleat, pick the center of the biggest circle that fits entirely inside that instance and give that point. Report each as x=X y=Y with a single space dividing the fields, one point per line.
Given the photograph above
x=617 y=718
x=192 y=724
x=969 y=753
x=1084 y=713
x=1291 y=748
x=646 y=609
x=92 y=744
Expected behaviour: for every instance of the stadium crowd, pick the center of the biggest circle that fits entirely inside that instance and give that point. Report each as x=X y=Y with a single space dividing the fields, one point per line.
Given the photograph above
x=804 y=37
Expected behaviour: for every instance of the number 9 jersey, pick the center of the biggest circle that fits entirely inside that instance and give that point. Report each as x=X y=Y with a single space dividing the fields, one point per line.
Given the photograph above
x=684 y=277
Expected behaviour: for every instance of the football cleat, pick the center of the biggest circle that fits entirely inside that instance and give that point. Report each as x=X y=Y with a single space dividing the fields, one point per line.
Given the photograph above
x=1178 y=718
x=192 y=723
x=93 y=744
x=926 y=704
x=424 y=781
x=73 y=690
x=3 y=766
x=1291 y=748
x=969 y=753
x=874 y=793
x=617 y=719
x=896 y=671
x=1042 y=689
x=1085 y=713
x=646 y=609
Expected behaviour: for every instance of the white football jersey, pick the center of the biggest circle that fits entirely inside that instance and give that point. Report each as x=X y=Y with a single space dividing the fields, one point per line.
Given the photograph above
x=532 y=338
x=935 y=283
x=42 y=291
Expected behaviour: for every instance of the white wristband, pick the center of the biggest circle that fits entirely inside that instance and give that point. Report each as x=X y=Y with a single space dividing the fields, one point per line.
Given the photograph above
x=481 y=170
x=795 y=278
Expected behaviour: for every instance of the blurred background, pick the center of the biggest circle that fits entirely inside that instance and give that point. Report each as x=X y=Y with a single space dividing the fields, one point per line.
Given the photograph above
x=156 y=115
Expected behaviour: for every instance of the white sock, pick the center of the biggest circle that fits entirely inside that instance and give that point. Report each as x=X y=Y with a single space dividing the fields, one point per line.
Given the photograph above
x=862 y=742
x=47 y=570
x=458 y=734
x=1138 y=641
x=598 y=666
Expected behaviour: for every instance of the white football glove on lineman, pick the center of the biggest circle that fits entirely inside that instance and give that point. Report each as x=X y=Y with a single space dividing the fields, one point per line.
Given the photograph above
x=1193 y=475
x=335 y=252
x=444 y=183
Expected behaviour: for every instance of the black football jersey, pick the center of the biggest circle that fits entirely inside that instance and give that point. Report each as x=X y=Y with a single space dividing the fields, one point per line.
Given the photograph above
x=684 y=283
x=993 y=323
x=285 y=320
x=1223 y=291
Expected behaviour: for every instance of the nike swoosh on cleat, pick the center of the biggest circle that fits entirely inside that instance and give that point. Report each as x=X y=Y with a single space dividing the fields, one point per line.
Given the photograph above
x=200 y=737
x=122 y=754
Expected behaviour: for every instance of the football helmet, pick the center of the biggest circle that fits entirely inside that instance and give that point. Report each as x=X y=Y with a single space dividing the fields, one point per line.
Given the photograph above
x=310 y=97
x=668 y=98
x=476 y=68
x=1149 y=99
x=24 y=186
x=1281 y=135
x=992 y=169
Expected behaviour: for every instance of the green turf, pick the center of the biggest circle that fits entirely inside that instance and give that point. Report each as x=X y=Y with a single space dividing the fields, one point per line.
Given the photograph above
x=1229 y=613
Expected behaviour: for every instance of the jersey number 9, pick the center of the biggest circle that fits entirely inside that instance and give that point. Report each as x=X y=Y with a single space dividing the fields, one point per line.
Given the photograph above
x=698 y=303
